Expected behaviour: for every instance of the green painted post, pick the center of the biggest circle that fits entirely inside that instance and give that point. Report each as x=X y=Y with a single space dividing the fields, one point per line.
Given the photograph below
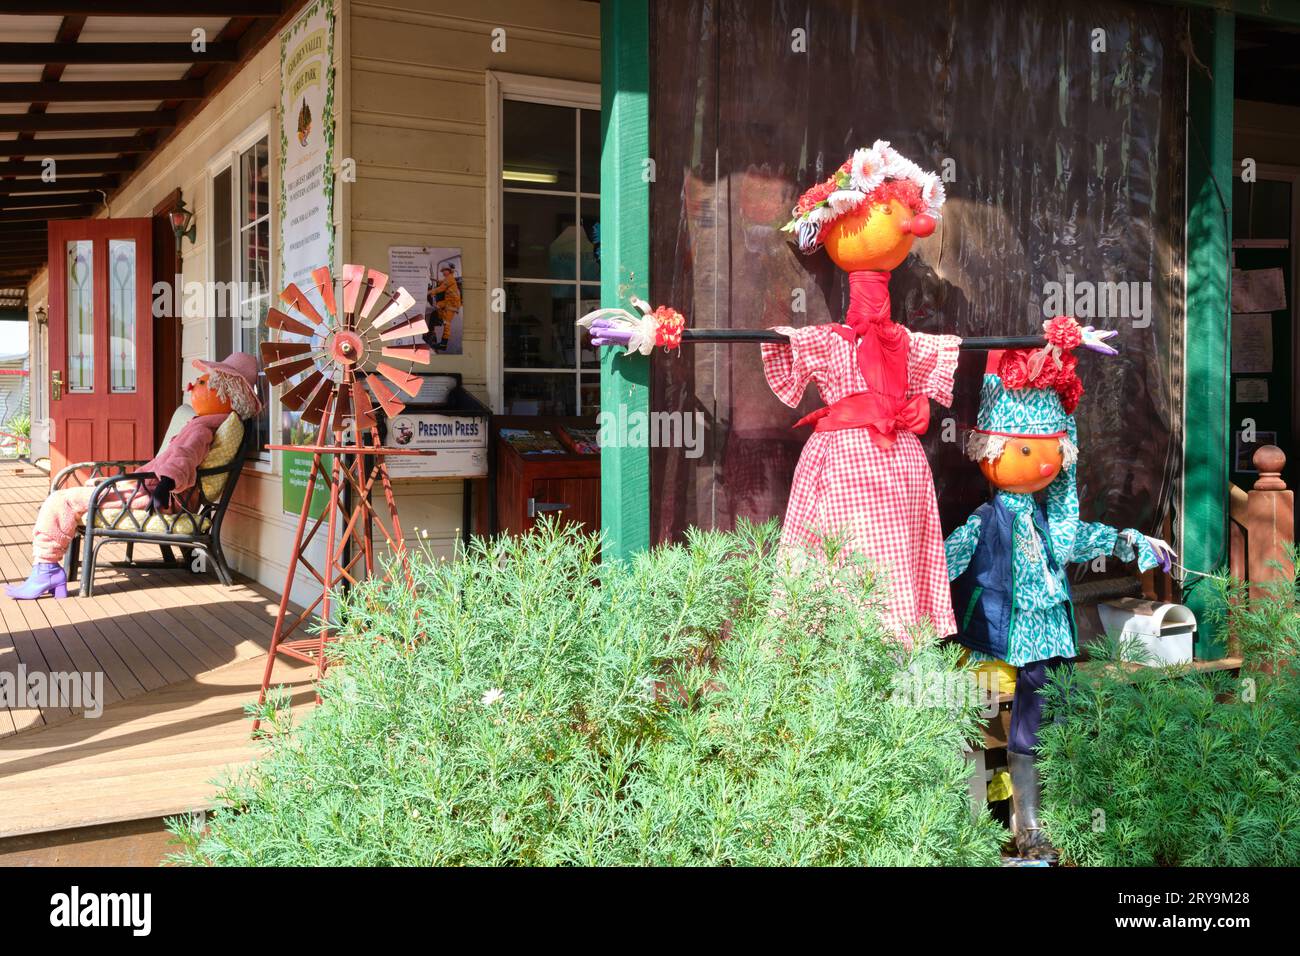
x=624 y=264
x=1206 y=427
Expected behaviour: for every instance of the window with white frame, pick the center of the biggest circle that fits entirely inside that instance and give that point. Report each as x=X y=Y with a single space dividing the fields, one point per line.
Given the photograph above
x=549 y=256
x=240 y=241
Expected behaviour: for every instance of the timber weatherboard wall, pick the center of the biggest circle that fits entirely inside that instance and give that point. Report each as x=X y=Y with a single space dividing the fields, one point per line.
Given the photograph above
x=418 y=128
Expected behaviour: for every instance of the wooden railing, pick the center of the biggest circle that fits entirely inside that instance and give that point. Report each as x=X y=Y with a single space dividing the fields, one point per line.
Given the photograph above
x=1263 y=523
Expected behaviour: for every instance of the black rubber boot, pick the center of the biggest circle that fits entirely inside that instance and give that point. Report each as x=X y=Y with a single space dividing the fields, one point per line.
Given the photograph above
x=1031 y=841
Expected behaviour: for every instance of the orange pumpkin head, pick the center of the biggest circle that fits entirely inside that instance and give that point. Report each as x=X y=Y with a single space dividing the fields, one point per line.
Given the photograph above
x=1026 y=465
x=871 y=237
x=205 y=400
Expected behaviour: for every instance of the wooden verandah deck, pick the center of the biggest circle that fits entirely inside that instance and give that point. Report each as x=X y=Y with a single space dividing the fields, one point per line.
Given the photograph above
x=180 y=655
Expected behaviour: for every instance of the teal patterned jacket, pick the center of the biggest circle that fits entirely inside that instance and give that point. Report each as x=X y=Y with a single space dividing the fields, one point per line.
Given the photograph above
x=1041 y=624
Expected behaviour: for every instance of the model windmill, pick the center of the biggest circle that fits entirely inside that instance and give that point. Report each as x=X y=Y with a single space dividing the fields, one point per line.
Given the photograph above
x=333 y=365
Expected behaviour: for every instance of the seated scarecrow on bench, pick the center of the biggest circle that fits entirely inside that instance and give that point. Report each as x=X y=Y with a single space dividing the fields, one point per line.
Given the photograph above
x=222 y=397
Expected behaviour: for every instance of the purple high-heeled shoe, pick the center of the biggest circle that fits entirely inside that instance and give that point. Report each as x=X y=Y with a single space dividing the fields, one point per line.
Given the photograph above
x=46 y=578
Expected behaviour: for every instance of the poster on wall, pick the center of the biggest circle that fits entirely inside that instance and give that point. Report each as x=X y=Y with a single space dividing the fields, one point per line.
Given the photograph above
x=306 y=239
x=433 y=275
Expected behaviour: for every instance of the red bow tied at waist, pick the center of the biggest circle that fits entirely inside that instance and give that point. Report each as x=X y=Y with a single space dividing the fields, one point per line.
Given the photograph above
x=882 y=416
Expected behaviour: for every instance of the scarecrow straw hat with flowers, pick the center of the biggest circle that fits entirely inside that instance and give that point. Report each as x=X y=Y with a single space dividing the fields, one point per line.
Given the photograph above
x=871 y=176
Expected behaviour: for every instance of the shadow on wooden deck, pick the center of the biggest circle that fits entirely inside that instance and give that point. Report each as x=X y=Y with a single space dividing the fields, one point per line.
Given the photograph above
x=178 y=656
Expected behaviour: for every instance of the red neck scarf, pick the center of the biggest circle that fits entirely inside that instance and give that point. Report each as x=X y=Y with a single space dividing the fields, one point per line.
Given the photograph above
x=882 y=343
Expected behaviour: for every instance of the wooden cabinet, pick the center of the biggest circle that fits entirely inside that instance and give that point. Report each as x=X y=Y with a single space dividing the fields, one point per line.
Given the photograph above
x=546 y=466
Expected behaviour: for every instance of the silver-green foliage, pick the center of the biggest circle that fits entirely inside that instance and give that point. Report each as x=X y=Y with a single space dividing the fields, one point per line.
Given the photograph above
x=529 y=704
x=1167 y=766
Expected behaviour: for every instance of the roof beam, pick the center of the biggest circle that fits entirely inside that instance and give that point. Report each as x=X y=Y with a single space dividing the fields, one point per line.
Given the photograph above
x=57 y=199
x=68 y=167
x=64 y=184
x=41 y=215
x=85 y=91
x=143 y=8
x=217 y=51
x=48 y=122
x=73 y=147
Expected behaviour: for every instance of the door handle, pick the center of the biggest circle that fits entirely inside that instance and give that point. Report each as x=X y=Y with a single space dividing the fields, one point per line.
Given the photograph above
x=536 y=507
x=56 y=385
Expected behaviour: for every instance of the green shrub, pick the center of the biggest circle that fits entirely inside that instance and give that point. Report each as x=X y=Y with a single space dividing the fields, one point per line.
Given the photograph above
x=1165 y=766
x=529 y=704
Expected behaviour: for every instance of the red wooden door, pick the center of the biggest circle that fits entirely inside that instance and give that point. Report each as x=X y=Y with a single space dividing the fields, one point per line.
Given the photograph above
x=101 y=340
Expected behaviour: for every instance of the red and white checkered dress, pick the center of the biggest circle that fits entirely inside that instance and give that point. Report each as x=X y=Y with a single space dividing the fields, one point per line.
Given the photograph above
x=880 y=499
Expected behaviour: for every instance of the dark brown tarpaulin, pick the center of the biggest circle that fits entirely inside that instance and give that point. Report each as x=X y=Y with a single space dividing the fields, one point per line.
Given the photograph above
x=1067 y=163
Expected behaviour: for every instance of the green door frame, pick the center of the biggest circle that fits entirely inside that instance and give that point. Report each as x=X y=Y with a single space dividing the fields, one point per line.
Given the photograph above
x=625 y=271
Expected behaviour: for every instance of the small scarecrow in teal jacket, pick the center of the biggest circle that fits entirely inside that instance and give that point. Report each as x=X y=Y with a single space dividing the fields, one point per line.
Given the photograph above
x=1007 y=562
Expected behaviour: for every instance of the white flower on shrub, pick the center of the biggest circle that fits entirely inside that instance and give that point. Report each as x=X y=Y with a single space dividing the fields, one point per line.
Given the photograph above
x=491 y=697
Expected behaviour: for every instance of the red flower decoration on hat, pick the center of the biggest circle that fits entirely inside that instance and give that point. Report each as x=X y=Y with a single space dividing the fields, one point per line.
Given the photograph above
x=1014 y=369
x=1070 y=392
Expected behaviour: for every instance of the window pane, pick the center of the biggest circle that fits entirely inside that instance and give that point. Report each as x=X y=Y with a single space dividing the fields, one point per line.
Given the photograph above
x=223 y=263
x=589 y=240
x=121 y=315
x=255 y=266
x=590 y=395
x=1270 y=209
x=590 y=302
x=590 y=146
x=255 y=183
x=539 y=329
x=539 y=146
x=545 y=393
x=540 y=237
x=81 y=315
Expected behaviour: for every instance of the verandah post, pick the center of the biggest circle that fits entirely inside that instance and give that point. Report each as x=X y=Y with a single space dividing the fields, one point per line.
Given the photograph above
x=624 y=263
x=1209 y=228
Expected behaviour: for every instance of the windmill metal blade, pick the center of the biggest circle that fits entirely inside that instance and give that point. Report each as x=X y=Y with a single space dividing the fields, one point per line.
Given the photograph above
x=361 y=402
x=280 y=373
x=342 y=407
x=278 y=320
x=391 y=404
x=353 y=279
x=297 y=396
x=407 y=382
x=377 y=282
x=275 y=351
x=325 y=285
x=406 y=329
x=419 y=354
x=396 y=309
x=316 y=407
x=295 y=297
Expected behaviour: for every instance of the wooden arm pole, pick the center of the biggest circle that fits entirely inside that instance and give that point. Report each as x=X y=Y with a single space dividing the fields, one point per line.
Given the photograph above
x=730 y=336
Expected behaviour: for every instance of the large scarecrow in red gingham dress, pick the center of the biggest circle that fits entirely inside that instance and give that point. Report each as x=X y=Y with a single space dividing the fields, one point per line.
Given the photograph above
x=862 y=478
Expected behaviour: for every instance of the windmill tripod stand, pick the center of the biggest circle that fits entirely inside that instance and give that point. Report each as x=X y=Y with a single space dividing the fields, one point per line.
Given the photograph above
x=341 y=354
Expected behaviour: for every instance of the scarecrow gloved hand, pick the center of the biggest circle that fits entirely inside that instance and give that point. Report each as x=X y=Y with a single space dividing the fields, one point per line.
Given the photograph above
x=162 y=493
x=1161 y=550
x=1095 y=339
x=610 y=332
x=635 y=332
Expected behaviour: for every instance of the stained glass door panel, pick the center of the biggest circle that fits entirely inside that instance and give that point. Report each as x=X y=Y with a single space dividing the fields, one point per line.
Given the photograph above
x=101 y=341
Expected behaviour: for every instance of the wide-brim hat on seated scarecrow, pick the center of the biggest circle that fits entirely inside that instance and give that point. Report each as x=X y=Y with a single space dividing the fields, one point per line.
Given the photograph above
x=872 y=176
x=235 y=380
x=1031 y=393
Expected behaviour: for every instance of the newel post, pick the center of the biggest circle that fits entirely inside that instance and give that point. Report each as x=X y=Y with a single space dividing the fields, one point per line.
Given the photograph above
x=1269 y=520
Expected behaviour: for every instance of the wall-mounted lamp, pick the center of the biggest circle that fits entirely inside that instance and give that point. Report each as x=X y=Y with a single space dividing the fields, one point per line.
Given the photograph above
x=42 y=315
x=183 y=223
